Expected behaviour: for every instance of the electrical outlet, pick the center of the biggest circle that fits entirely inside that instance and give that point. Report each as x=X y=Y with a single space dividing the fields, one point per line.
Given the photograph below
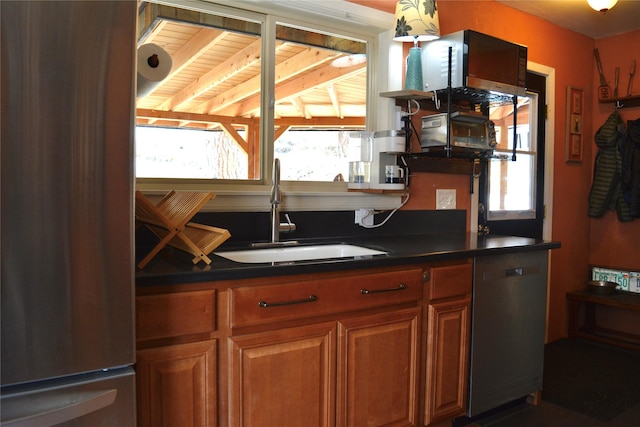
x=364 y=217
x=445 y=199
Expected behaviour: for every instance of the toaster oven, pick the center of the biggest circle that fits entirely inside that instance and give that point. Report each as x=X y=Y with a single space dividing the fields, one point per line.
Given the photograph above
x=470 y=132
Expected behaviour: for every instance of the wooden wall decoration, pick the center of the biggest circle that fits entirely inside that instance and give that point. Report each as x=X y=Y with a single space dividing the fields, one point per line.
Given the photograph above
x=575 y=137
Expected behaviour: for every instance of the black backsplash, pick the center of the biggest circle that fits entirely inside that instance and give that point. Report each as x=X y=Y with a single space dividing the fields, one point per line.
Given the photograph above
x=255 y=226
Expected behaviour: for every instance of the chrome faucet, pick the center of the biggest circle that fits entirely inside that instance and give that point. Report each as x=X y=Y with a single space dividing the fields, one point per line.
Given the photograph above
x=278 y=227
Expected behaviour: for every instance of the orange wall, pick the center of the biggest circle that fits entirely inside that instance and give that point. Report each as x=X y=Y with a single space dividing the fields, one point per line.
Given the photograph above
x=424 y=186
x=613 y=243
x=571 y=56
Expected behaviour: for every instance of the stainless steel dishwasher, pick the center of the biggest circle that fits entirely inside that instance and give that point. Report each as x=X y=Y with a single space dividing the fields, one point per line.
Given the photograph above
x=507 y=329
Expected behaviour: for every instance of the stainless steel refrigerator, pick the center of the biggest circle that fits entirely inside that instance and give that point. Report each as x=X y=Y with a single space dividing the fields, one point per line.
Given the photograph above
x=67 y=213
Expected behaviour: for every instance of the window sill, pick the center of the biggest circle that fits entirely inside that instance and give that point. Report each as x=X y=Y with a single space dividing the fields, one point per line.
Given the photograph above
x=255 y=198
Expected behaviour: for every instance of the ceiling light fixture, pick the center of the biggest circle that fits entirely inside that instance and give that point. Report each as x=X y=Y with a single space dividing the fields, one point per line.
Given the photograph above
x=416 y=20
x=602 y=5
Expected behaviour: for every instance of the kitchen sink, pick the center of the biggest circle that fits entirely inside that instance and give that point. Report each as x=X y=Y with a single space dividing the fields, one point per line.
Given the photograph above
x=298 y=253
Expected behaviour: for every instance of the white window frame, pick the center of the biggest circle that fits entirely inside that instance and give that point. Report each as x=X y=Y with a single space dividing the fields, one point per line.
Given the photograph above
x=500 y=215
x=330 y=16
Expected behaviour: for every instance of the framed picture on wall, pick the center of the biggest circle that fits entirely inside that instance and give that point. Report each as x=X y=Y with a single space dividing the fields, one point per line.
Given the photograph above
x=575 y=143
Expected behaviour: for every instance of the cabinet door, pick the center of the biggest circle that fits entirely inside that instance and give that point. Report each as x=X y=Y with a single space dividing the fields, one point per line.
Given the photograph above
x=284 y=377
x=377 y=369
x=447 y=359
x=177 y=385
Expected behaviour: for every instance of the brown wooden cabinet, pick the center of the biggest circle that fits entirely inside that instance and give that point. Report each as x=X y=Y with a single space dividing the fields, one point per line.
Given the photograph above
x=447 y=342
x=177 y=385
x=447 y=360
x=362 y=347
x=284 y=377
x=288 y=376
x=176 y=362
x=378 y=369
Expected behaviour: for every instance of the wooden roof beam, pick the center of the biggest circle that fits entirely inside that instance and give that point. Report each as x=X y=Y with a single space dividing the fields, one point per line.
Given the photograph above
x=233 y=134
x=178 y=116
x=321 y=122
x=207 y=121
x=199 y=44
x=331 y=89
x=295 y=65
x=279 y=131
x=299 y=105
x=233 y=65
x=324 y=76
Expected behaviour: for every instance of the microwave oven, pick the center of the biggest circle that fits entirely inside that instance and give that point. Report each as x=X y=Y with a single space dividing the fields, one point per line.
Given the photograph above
x=478 y=61
x=470 y=133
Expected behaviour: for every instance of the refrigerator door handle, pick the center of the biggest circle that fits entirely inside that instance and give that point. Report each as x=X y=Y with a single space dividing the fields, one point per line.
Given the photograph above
x=49 y=409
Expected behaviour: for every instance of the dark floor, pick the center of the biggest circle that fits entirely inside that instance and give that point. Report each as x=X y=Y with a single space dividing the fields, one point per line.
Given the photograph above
x=548 y=414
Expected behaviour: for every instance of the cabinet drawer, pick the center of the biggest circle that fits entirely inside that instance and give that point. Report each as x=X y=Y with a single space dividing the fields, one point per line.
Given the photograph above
x=175 y=314
x=320 y=296
x=451 y=280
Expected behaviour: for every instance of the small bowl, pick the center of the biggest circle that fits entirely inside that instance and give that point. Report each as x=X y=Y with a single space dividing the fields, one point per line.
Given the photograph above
x=602 y=287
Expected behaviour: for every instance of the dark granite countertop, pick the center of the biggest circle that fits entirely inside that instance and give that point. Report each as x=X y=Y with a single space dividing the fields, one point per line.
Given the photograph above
x=174 y=267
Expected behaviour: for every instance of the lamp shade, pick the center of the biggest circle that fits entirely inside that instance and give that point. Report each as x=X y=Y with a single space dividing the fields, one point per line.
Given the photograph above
x=602 y=5
x=417 y=20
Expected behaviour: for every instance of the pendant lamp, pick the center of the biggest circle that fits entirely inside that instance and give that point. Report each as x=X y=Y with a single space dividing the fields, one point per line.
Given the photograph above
x=416 y=21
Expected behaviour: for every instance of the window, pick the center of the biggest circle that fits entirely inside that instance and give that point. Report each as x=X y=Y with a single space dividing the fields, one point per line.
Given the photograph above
x=512 y=185
x=211 y=118
x=308 y=155
x=167 y=152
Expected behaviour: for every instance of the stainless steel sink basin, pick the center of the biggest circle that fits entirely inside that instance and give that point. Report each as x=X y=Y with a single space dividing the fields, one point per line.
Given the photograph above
x=298 y=253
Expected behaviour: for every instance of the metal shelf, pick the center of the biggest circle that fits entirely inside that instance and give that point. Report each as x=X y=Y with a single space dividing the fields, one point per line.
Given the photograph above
x=460 y=94
x=408 y=95
x=479 y=96
x=466 y=94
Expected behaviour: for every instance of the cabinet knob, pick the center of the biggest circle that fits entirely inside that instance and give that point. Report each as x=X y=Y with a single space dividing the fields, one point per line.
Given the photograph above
x=426 y=276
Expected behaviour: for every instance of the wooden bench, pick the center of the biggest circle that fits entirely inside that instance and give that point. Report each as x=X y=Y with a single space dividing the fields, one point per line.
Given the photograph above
x=590 y=329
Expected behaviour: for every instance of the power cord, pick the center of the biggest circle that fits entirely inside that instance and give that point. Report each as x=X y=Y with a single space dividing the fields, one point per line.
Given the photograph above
x=388 y=216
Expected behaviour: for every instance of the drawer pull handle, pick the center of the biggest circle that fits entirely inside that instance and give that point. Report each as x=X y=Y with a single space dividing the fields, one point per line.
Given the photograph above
x=377 y=291
x=513 y=272
x=265 y=304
